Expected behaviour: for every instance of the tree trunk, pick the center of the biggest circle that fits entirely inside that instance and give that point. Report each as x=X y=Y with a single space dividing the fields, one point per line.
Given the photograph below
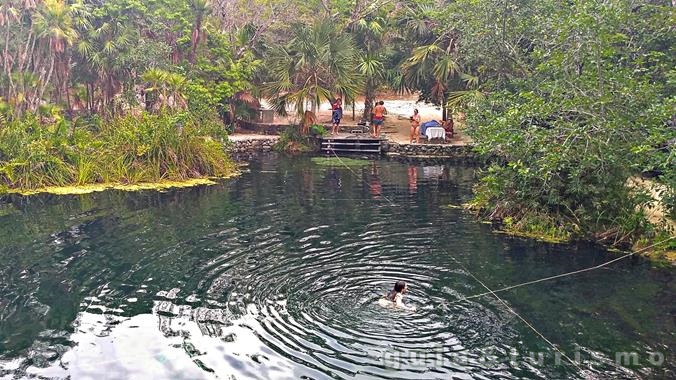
x=90 y=102
x=313 y=105
x=45 y=83
x=444 y=110
x=66 y=87
x=368 y=101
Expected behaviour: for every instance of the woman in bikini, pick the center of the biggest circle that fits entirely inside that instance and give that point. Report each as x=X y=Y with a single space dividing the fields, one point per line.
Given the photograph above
x=415 y=127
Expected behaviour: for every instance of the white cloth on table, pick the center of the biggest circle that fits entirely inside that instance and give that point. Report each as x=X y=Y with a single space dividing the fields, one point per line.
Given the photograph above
x=435 y=132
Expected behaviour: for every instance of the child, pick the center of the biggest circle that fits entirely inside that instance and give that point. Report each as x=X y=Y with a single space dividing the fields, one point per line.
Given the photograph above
x=395 y=296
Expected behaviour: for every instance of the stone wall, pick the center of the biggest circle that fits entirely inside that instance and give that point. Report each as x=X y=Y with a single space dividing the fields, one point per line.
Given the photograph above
x=249 y=145
x=241 y=144
x=262 y=128
x=429 y=150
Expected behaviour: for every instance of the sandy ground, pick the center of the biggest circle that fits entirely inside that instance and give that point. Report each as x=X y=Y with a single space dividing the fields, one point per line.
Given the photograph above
x=655 y=212
x=397 y=126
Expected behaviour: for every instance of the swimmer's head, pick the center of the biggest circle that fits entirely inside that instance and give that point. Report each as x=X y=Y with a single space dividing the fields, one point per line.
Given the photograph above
x=400 y=286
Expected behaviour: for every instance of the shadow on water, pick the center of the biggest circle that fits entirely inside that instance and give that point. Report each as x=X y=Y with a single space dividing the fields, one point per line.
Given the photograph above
x=277 y=274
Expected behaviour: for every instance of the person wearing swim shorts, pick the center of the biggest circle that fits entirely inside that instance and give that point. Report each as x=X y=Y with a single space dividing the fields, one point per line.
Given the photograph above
x=379 y=113
x=336 y=115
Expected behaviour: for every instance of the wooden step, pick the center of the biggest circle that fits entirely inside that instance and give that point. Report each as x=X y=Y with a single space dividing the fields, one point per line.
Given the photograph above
x=351 y=145
x=351 y=150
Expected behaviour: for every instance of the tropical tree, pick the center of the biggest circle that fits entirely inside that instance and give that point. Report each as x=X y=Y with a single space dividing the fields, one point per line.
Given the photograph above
x=200 y=11
x=55 y=26
x=317 y=63
x=433 y=65
x=371 y=34
x=170 y=86
x=576 y=106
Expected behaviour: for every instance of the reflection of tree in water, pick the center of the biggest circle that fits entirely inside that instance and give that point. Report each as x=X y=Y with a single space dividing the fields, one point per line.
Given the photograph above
x=308 y=187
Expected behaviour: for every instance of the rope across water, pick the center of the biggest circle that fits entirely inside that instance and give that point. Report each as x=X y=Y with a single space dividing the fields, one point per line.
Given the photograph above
x=489 y=291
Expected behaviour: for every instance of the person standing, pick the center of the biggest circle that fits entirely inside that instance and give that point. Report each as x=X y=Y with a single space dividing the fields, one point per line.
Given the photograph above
x=415 y=126
x=336 y=115
x=379 y=113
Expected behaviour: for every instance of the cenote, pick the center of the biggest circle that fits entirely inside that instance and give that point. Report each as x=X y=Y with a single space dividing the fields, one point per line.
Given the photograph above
x=276 y=275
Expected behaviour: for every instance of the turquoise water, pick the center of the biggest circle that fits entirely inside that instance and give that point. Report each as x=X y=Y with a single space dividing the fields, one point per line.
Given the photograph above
x=276 y=274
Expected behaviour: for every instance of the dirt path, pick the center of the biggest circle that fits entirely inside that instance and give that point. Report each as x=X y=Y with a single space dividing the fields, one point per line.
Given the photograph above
x=397 y=126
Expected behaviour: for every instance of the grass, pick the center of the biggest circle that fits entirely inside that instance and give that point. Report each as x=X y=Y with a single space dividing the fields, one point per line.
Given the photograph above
x=134 y=149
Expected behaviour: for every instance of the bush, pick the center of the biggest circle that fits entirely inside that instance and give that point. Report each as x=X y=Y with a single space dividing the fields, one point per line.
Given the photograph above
x=128 y=149
x=291 y=141
x=318 y=130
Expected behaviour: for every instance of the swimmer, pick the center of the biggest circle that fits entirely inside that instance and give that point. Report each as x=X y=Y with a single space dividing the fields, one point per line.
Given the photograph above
x=395 y=296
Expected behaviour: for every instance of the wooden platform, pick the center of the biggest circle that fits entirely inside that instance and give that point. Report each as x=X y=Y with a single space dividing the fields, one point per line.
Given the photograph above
x=351 y=143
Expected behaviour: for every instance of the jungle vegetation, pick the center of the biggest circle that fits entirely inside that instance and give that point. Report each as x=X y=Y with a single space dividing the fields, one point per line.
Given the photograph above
x=571 y=103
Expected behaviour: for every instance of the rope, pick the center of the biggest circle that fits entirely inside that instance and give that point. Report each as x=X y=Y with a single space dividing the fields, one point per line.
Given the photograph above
x=520 y=317
x=359 y=177
x=511 y=310
x=562 y=274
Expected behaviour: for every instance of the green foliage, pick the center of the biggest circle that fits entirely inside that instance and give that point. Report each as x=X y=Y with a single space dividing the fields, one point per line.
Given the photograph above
x=581 y=109
x=114 y=91
x=97 y=57
x=291 y=141
x=318 y=130
x=128 y=149
x=315 y=64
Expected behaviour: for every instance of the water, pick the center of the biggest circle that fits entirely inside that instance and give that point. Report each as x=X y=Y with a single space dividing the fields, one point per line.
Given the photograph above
x=277 y=274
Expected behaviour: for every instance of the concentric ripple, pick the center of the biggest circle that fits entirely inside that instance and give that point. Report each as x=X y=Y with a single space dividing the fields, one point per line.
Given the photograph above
x=277 y=275
x=312 y=297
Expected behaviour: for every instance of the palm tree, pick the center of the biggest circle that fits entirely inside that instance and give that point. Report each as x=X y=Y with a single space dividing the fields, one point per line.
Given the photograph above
x=100 y=47
x=55 y=29
x=157 y=83
x=434 y=69
x=372 y=38
x=200 y=10
x=170 y=86
x=433 y=65
x=318 y=62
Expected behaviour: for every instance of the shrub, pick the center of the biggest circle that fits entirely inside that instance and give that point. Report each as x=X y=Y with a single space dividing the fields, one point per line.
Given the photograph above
x=128 y=149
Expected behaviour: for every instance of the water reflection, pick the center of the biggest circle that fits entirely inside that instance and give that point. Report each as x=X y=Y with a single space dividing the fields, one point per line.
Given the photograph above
x=276 y=275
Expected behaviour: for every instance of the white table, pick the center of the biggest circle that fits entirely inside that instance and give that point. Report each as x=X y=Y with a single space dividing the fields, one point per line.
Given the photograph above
x=435 y=133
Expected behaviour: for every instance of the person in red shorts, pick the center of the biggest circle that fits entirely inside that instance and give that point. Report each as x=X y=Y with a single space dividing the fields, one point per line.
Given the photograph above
x=379 y=113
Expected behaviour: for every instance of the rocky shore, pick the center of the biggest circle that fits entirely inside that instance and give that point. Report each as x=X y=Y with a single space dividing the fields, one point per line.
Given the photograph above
x=249 y=144
x=428 y=150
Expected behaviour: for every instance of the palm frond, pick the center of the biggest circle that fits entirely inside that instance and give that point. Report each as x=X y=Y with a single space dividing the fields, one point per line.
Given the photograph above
x=464 y=98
